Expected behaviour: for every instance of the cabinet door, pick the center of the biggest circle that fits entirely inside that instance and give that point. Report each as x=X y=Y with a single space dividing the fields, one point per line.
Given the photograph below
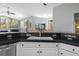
x=48 y=52
x=68 y=47
x=30 y=51
x=2 y=52
x=19 y=49
x=11 y=51
x=29 y=45
x=66 y=53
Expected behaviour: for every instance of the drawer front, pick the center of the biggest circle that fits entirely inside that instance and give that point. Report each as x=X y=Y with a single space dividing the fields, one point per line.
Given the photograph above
x=29 y=44
x=67 y=53
x=48 y=52
x=48 y=45
x=30 y=52
x=37 y=45
x=70 y=48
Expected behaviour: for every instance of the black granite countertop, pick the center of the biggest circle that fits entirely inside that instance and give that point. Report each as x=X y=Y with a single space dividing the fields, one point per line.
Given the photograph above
x=49 y=41
x=6 y=42
x=23 y=38
x=70 y=42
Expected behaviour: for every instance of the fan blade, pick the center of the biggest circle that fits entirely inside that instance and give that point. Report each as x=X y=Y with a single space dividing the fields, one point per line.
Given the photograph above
x=12 y=13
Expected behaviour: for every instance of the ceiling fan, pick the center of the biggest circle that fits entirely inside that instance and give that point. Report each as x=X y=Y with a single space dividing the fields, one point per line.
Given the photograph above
x=8 y=11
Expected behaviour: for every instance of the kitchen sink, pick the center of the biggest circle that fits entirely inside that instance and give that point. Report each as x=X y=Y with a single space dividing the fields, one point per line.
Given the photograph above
x=40 y=38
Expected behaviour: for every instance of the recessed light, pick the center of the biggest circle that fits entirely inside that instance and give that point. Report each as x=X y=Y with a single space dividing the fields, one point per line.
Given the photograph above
x=44 y=4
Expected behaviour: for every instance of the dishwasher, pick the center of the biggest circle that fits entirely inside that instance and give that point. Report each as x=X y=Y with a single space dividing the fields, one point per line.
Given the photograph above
x=8 y=50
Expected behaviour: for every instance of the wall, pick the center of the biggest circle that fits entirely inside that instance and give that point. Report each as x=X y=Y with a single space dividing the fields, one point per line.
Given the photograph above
x=64 y=17
x=34 y=20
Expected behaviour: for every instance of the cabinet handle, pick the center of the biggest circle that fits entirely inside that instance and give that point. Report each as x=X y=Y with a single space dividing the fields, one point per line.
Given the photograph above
x=56 y=45
x=40 y=51
x=39 y=45
x=22 y=44
x=73 y=49
x=61 y=53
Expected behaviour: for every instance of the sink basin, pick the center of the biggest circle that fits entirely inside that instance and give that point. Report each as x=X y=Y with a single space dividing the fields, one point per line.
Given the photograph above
x=40 y=38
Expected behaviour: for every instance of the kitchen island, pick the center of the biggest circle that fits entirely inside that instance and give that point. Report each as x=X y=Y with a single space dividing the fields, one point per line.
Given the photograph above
x=61 y=42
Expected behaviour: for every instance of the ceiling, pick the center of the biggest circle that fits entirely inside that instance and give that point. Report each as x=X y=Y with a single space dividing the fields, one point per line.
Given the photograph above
x=32 y=9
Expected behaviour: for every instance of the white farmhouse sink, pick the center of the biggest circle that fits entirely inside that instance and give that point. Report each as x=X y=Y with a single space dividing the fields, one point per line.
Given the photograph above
x=40 y=38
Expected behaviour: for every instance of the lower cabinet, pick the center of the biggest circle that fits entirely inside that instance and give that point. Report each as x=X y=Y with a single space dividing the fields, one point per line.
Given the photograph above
x=68 y=50
x=8 y=50
x=67 y=53
x=30 y=51
x=37 y=49
x=48 y=51
x=2 y=52
x=39 y=52
x=11 y=51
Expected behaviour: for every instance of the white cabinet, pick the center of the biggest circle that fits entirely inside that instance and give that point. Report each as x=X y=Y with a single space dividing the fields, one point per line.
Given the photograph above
x=11 y=50
x=71 y=48
x=66 y=53
x=2 y=52
x=19 y=49
x=8 y=50
x=37 y=49
x=46 y=49
x=30 y=51
x=68 y=50
x=48 y=52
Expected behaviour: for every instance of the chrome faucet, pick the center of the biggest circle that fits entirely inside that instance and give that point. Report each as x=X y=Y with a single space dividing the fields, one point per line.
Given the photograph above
x=40 y=31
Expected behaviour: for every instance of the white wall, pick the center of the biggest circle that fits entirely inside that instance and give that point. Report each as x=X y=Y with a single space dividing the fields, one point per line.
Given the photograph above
x=34 y=20
x=64 y=17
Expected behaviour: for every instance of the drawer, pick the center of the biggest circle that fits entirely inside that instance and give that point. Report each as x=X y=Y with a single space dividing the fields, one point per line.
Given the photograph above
x=67 y=53
x=29 y=44
x=48 y=45
x=37 y=44
x=70 y=48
